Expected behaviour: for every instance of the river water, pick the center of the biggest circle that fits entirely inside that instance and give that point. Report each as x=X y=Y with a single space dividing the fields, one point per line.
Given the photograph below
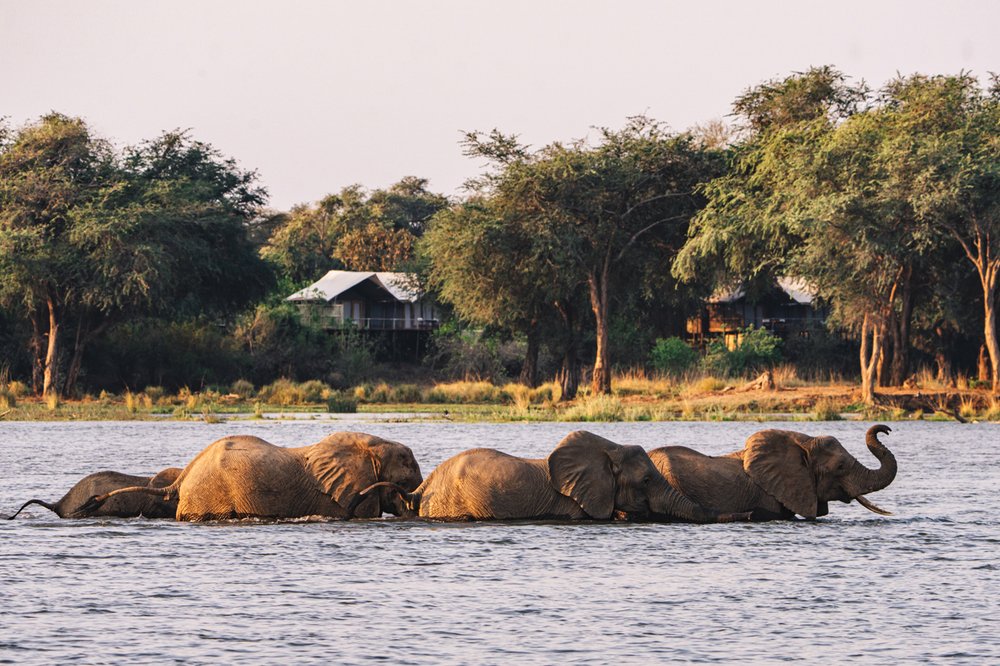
x=920 y=586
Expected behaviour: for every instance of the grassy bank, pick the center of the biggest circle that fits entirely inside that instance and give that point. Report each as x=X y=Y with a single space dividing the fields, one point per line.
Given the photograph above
x=635 y=397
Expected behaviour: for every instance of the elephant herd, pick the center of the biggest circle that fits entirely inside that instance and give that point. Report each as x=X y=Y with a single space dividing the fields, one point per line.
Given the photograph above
x=778 y=474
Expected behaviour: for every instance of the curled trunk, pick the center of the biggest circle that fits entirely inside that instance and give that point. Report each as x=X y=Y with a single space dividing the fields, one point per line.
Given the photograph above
x=866 y=480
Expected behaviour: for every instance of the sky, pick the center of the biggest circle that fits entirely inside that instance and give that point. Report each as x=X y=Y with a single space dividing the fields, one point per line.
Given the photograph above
x=318 y=95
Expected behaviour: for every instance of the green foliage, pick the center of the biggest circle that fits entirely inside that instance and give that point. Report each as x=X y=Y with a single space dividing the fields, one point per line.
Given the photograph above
x=757 y=349
x=353 y=230
x=277 y=343
x=243 y=388
x=339 y=402
x=673 y=356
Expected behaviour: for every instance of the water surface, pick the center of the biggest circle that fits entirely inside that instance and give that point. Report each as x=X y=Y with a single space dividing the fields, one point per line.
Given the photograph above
x=920 y=586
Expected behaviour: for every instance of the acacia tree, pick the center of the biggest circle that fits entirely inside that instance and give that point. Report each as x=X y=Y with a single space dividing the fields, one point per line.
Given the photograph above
x=167 y=237
x=604 y=211
x=956 y=164
x=89 y=239
x=487 y=265
x=803 y=198
x=48 y=170
x=354 y=230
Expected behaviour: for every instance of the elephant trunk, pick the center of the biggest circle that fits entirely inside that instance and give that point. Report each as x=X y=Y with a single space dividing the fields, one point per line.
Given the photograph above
x=665 y=501
x=411 y=501
x=95 y=502
x=866 y=480
x=51 y=507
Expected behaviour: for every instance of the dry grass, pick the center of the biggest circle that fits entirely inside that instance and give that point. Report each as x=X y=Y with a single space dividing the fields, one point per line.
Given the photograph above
x=637 y=382
x=464 y=393
x=826 y=410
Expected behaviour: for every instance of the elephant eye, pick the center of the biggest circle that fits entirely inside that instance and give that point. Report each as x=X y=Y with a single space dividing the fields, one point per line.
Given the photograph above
x=645 y=480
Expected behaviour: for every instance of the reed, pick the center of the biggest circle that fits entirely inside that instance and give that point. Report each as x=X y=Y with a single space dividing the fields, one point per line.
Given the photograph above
x=826 y=410
x=595 y=408
x=464 y=393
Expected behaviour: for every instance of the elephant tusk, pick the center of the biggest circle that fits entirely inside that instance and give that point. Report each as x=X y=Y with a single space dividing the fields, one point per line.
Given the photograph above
x=865 y=502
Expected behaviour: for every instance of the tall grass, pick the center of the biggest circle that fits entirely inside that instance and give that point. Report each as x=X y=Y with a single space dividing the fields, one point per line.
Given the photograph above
x=464 y=393
x=595 y=408
x=637 y=382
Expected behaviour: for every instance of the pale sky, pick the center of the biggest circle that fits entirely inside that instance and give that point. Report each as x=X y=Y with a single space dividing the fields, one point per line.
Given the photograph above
x=319 y=95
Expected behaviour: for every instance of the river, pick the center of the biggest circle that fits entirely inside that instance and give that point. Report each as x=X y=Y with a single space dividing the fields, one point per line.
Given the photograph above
x=922 y=585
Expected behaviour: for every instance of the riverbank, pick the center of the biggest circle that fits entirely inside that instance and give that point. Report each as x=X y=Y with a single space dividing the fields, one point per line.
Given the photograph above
x=633 y=399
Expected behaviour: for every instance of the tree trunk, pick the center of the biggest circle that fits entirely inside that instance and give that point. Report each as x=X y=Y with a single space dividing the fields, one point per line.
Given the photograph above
x=990 y=327
x=901 y=332
x=941 y=357
x=569 y=373
x=600 y=383
x=50 y=383
x=37 y=352
x=871 y=353
x=529 y=370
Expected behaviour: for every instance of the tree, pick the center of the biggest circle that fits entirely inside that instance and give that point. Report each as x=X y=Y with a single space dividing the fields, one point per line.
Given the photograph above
x=955 y=160
x=485 y=263
x=94 y=239
x=354 y=230
x=804 y=198
x=603 y=211
x=48 y=171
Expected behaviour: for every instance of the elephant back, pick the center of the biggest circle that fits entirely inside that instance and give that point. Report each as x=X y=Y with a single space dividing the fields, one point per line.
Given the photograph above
x=245 y=476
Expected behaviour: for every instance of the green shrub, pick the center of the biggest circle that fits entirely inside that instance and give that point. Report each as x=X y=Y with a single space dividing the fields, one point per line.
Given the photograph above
x=407 y=393
x=282 y=392
x=672 y=356
x=243 y=388
x=340 y=402
x=314 y=391
x=758 y=349
x=155 y=393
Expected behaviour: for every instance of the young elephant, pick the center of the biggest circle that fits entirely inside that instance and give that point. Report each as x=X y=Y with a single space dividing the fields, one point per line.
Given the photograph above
x=246 y=477
x=778 y=474
x=585 y=477
x=125 y=506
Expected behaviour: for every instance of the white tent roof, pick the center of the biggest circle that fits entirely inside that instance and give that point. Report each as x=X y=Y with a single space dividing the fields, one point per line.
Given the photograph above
x=797 y=289
x=334 y=283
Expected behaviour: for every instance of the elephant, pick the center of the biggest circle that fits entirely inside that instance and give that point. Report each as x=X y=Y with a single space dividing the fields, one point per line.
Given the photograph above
x=128 y=506
x=246 y=477
x=586 y=477
x=779 y=474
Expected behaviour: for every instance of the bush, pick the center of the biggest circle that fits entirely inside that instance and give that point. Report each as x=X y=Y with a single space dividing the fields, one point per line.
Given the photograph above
x=758 y=349
x=7 y=399
x=672 y=356
x=282 y=392
x=241 y=387
x=340 y=402
x=315 y=391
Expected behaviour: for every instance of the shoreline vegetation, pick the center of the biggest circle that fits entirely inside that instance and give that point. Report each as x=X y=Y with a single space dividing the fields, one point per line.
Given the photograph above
x=637 y=396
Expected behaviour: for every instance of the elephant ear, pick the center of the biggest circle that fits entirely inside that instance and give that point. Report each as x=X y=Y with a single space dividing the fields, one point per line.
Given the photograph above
x=342 y=465
x=581 y=468
x=777 y=461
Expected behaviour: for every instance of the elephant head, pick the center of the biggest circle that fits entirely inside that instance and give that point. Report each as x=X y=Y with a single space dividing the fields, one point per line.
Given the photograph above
x=346 y=463
x=604 y=477
x=75 y=503
x=804 y=473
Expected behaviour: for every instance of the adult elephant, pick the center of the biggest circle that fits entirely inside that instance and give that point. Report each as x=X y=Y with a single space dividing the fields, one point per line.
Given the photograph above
x=779 y=474
x=247 y=477
x=72 y=504
x=585 y=477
